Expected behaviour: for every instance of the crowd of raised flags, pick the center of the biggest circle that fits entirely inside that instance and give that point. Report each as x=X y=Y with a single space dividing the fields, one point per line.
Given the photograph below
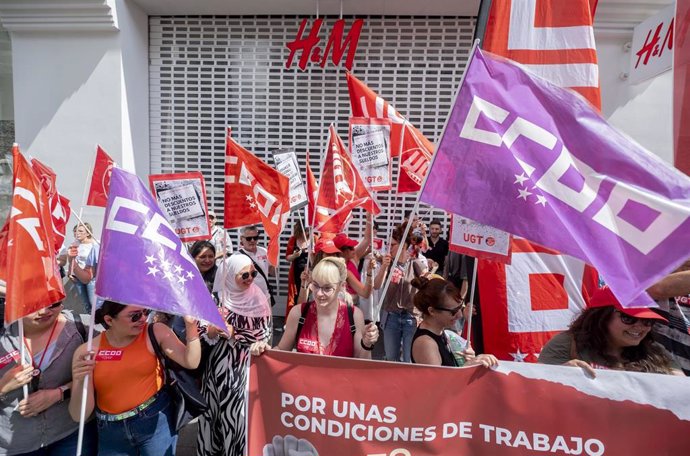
x=519 y=153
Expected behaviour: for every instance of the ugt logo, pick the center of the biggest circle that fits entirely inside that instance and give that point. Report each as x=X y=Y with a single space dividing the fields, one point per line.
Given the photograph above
x=310 y=50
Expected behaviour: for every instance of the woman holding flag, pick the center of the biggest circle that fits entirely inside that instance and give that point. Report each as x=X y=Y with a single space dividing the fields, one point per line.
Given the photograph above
x=40 y=424
x=125 y=383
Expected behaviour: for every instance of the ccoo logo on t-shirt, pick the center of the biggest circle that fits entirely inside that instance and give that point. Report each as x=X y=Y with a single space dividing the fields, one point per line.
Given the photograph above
x=109 y=355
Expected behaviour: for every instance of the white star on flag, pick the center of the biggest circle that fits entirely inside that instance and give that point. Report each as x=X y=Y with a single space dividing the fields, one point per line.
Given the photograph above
x=181 y=280
x=168 y=275
x=541 y=200
x=150 y=259
x=524 y=193
x=252 y=205
x=165 y=264
x=153 y=271
x=520 y=178
x=177 y=269
x=249 y=197
x=519 y=357
x=190 y=275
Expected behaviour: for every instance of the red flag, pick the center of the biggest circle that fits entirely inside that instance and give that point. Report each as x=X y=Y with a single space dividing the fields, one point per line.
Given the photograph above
x=342 y=189
x=33 y=278
x=535 y=297
x=681 y=86
x=255 y=193
x=100 y=179
x=554 y=39
x=59 y=204
x=406 y=140
x=314 y=218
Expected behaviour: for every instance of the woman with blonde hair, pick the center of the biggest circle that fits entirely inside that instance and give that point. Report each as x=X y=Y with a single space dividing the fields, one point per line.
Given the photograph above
x=328 y=325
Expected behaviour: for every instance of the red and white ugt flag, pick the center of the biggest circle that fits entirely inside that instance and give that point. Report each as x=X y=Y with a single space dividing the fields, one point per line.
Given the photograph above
x=532 y=299
x=342 y=188
x=27 y=253
x=255 y=193
x=100 y=179
x=414 y=149
x=538 y=295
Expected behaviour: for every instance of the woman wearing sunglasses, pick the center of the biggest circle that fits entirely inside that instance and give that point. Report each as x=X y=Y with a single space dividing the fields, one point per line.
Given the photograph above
x=607 y=335
x=40 y=424
x=247 y=310
x=439 y=302
x=125 y=387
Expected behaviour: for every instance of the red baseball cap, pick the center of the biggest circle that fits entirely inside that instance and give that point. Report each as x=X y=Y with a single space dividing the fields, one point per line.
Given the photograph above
x=604 y=297
x=326 y=246
x=341 y=240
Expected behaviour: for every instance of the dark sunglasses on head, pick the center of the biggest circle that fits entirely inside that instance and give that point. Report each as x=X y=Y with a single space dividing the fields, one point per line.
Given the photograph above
x=452 y=311
x=136 y=316
x=245 y=275
x=251 y=238
x=630 y=320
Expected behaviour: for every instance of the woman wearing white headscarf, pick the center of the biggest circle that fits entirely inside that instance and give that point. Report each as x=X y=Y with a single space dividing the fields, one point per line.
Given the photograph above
x=247 y=310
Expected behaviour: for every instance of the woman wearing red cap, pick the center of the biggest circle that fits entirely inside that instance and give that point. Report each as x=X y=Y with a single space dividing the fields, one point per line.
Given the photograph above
x=607 y=335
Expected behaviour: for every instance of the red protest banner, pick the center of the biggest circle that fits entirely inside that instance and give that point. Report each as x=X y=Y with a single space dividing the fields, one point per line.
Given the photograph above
x=331 y=406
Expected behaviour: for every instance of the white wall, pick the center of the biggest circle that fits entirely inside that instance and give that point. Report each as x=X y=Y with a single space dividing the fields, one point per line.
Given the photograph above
x=643 y=111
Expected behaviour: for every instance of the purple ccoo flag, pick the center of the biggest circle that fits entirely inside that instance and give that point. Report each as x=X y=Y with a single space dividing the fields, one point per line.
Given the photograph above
x=142 y=261
x=536 y=160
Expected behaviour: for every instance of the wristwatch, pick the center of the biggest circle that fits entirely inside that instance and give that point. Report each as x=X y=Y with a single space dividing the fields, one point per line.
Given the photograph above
x=66 y=392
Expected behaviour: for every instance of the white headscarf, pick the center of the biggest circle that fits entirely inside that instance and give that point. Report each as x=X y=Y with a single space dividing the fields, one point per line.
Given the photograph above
x=249 y=302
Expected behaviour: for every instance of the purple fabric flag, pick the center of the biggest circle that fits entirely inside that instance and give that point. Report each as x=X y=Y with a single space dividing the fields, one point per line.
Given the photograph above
x=143 y=262
x=536 y=160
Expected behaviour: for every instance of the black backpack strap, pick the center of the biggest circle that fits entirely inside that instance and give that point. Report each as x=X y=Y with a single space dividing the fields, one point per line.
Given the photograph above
x=261 y=271
x=81 y=329
x=302 y=319
x=351 y=318
x=157 y=350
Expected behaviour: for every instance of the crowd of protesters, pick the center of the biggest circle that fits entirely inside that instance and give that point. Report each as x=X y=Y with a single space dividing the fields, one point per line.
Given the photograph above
x=332 y=309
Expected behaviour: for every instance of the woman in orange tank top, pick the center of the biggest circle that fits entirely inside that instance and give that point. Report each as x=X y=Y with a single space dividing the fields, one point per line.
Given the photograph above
x=125 y=384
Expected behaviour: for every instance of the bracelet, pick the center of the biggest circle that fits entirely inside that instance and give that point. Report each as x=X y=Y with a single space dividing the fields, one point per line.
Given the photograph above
x=361 y=342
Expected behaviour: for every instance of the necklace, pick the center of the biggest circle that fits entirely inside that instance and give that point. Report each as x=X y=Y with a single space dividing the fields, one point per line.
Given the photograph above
x=37 y=369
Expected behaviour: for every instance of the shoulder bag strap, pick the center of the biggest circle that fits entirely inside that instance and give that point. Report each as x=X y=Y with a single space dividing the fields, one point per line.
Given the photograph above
x=159 y=353
x=351 y=319
x=302 y=319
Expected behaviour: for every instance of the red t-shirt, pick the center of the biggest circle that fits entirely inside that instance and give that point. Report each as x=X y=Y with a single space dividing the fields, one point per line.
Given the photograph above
x=341 y=341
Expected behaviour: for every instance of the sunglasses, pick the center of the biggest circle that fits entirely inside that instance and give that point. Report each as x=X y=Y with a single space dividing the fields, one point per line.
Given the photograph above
x=251 y=238
x=629 y=320
x=54 y=306
x=454 y=311
x=246 y=275
x=136 y=316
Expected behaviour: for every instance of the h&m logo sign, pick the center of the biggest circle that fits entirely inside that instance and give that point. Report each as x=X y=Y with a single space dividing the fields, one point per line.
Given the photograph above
x=335 y=46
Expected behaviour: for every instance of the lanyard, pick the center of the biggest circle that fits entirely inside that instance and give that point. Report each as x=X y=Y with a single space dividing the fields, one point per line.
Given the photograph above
x=37 y=369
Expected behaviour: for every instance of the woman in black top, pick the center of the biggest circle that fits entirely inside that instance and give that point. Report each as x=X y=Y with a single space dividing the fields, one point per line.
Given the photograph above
x=441 y=306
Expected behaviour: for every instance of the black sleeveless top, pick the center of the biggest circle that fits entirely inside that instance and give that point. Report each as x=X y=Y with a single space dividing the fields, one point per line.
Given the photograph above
x=447 y=358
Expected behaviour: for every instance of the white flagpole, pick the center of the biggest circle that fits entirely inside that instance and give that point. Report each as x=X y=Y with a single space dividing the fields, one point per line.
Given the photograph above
x=22 y=354
x=89 y=178
x=426 y=176
x=316 y=199
x=85 y=389
x=372 y=258
x=471 y=302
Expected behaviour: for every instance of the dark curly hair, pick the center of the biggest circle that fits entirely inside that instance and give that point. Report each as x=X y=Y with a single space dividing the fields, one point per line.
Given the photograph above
x=590 y=333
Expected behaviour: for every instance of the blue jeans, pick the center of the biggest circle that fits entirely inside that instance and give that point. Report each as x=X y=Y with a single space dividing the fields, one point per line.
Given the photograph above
x=87 y=293
x=398 y=329
x=150 y=433
x=68 y=445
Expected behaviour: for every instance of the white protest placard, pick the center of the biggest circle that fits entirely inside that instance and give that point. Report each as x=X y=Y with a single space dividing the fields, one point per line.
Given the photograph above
x=182 y=198
x=370 y=151
x=286 y=163
x=480 y=241
x=652 y=46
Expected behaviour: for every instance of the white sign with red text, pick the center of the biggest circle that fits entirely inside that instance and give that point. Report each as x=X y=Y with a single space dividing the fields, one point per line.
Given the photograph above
x=480 y=241
x=652 y=46
x=370 y=150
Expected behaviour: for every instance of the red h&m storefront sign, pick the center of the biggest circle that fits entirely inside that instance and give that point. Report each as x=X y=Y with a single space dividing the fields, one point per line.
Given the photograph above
x=335 y=46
